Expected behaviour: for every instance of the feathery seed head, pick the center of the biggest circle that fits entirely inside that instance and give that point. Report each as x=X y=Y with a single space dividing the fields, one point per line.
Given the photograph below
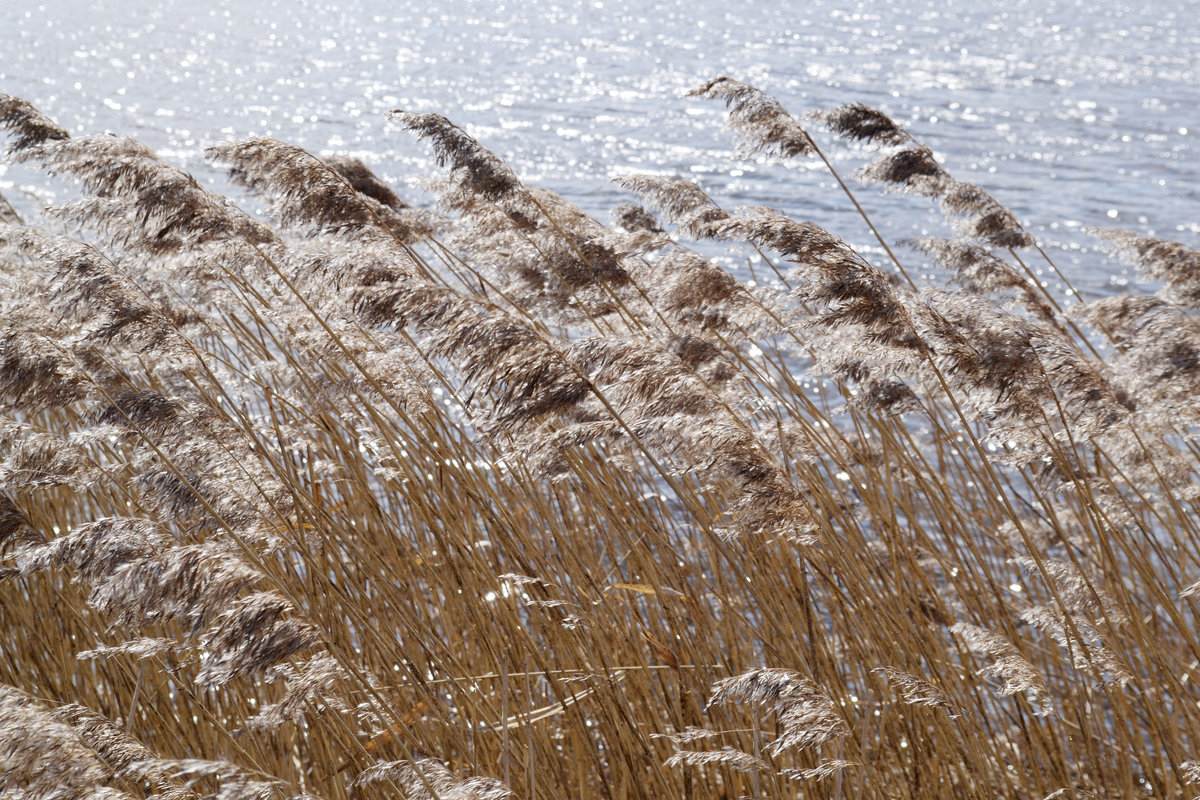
x=859 y=122
x=762 y=124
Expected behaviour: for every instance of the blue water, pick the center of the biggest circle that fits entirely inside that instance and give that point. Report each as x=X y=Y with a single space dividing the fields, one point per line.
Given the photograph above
x=1072 y=113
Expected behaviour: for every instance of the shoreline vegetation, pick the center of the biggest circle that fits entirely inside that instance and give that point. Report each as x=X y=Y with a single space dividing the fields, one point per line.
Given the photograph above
x=496 y=500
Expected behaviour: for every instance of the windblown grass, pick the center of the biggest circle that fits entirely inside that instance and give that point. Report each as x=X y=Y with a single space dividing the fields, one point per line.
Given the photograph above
x=495 y=500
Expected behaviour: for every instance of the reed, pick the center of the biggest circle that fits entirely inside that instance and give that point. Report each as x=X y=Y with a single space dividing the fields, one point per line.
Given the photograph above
x=490 y=499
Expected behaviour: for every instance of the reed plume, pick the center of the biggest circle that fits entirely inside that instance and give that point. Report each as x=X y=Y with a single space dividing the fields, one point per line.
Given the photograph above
x=683 y=202
x=426 y=779
x=979 y=271
x=564 y=262
x=1173 y=263
x=311 y=193
x=364 y=181
x=918 y=691
x=43 y=758
x=1006 y=663
x=8 y=214
x=861 y=123
x=764 y=125
x=805 y=713
x=726 y=757
x=632 y=218
x=27 y=125
x=144 y=201
x=475 y=169
x=1160 y=358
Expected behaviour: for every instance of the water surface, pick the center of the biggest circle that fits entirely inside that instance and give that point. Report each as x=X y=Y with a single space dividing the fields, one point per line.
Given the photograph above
x=1072 y=113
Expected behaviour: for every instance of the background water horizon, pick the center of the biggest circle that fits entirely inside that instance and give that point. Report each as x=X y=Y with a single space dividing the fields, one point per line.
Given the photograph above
x=1072 y=114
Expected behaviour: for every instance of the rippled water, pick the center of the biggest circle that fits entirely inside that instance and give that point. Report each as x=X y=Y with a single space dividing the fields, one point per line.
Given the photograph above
x=1072 y=113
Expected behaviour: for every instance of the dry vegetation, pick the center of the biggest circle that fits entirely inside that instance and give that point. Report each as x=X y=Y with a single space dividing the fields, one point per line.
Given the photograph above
x=496 y=500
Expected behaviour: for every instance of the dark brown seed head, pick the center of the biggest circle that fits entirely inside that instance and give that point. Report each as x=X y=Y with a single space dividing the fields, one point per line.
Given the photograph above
x=862 y=123
x=26 y=124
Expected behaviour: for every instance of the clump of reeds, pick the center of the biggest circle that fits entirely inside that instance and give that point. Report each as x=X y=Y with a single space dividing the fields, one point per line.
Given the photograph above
x=493 y=500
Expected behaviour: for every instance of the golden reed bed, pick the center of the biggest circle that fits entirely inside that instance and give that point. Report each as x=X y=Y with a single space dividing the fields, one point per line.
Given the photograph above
x=498 y=500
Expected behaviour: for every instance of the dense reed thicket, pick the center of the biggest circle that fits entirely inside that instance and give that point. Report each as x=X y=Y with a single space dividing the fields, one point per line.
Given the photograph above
x=496 y=500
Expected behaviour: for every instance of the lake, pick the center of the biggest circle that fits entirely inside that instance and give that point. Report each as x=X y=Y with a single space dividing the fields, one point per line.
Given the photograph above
x=1071 y=113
